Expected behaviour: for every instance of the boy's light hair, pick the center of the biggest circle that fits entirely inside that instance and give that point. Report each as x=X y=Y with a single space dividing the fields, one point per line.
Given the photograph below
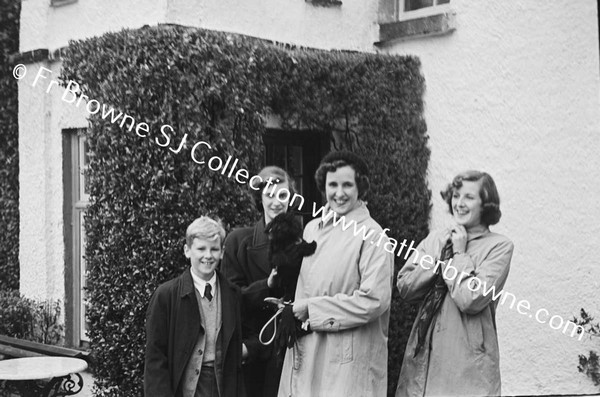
x=204 y=228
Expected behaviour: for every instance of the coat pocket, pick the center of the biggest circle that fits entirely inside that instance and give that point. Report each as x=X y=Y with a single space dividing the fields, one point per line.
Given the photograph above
x=475 y=332
x=347 y=346
x=340 y=347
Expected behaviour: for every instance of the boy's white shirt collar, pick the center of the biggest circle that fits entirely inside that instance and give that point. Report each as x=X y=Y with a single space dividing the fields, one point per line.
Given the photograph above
x=200 y=284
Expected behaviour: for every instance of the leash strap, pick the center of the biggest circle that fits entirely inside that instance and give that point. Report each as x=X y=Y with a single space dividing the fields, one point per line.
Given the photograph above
x=271 y=320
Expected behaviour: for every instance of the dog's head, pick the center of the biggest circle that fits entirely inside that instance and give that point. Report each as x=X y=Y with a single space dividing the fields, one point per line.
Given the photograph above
x=284 y=229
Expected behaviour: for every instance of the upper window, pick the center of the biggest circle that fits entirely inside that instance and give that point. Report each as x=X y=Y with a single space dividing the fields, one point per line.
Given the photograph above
x=405 y=19
x=420 y=8
x=56 y=3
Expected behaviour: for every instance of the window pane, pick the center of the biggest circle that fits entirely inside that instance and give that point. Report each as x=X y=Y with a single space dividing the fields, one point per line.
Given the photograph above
x=279 y=155
x=83 y=164
x=294 y=160
x=294 y=166
x=411 y=5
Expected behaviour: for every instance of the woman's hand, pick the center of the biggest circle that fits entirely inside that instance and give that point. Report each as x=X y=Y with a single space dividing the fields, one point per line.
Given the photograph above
x=459 y=239
x=300 y=309
x=273 y=279
x=245 y=353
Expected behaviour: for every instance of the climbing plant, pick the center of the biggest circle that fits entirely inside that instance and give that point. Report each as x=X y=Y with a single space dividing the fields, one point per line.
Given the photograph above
x=204 y=94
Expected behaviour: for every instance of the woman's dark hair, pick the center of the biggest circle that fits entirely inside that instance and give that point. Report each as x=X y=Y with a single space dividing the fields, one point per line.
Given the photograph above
x=490 y=199
x=335 y=160
x=277 y=175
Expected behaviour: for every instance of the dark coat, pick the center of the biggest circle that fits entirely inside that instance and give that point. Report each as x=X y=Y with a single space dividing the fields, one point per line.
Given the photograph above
x=246 y=264
x=173 y=326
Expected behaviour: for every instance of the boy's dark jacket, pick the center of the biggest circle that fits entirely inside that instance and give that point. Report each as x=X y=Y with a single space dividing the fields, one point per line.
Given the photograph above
x=173 y=326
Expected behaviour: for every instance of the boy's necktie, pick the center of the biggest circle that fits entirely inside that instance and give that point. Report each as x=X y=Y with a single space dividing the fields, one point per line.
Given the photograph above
x=207 y=292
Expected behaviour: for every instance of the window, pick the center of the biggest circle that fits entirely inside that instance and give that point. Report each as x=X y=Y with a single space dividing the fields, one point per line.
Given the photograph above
x=75 y=163
x=407 y=19
x=411 y=5
x=299 y=153
x=58 y=3
x=421 y=8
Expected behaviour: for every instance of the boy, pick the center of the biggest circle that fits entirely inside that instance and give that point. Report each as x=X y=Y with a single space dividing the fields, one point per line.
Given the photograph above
x=193 y=325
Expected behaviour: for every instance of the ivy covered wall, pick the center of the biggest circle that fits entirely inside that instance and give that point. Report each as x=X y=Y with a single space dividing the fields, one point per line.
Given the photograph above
x=9 y=147
x=193 y=85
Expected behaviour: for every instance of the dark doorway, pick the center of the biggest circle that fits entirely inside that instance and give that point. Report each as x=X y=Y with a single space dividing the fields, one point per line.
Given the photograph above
x=299 y=153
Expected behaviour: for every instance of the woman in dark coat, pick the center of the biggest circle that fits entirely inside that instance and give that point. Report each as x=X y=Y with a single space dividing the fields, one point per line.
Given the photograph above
x=246 y=264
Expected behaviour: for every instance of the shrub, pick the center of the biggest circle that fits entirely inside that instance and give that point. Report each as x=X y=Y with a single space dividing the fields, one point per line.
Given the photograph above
x=218 y=88
x=16 y=315
x=589 y=365
x=25 y=318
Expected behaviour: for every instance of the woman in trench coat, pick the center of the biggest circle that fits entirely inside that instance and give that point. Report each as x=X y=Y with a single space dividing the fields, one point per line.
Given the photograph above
x=343 y=293
x=453 y=346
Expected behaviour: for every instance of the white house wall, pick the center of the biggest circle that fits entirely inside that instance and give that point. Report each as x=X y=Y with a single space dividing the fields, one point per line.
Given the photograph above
x=41 y=119
x=514 y=91
x=43 y=26
x=352 y=26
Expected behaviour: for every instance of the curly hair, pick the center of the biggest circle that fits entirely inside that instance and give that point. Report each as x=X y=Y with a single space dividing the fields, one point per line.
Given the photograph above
x=335 y=160
x=490 y=199
x=277 y=175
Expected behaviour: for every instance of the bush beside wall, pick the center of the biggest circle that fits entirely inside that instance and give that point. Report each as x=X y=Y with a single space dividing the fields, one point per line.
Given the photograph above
x=218 y=88
x=590 y=364
x=28 y=319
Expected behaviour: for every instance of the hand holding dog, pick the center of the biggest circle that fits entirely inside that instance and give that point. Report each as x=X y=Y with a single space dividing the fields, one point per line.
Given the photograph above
x=273 y=279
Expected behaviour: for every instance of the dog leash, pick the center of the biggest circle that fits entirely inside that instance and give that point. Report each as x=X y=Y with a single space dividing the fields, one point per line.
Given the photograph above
x=272 y=320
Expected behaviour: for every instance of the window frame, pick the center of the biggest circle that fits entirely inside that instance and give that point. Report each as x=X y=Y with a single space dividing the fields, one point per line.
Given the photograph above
x=76 y=201
x=435 y=9
x=396 y=25
x=59 y=3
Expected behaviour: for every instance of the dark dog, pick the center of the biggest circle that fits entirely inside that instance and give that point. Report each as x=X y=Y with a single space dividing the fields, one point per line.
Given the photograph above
x=286 y=250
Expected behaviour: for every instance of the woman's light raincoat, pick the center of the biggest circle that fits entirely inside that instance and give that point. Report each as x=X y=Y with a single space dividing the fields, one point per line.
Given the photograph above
x=462 y=358
x=348 y=283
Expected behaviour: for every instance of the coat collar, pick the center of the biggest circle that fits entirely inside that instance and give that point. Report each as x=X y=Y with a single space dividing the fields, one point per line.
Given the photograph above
x=260 y=237
x=358 y=214
x=187 y=283
x=473 y=234
x=477 y=232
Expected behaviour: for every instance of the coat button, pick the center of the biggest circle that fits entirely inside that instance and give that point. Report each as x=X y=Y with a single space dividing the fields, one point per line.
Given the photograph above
x=200 y=351
x=197 y=371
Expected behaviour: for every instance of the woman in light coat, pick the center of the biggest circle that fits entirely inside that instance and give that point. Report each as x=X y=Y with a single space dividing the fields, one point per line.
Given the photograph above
x=343 y=293
x=453 y=346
